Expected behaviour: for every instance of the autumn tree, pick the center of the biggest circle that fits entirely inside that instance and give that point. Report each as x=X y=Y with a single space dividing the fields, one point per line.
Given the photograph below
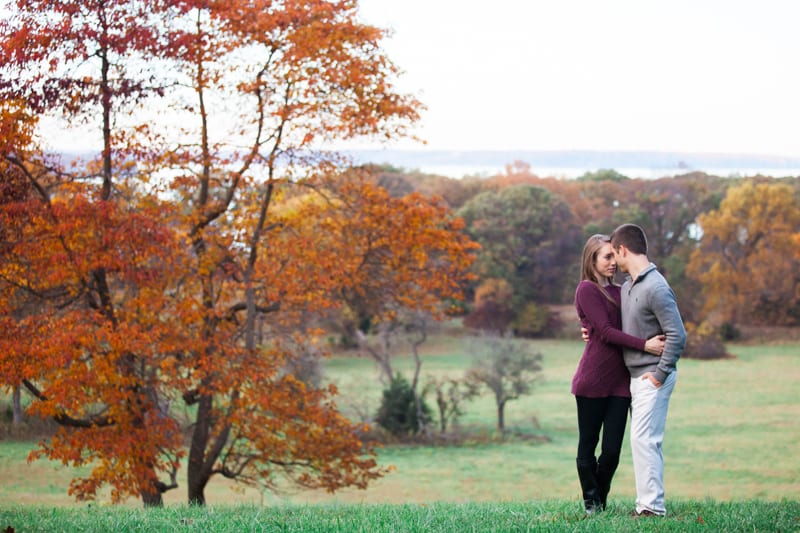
x=669 y=212
x=78 y=358
x=592 y=198
x=405 y=257
x=160 y=298
x=493 y=306
x=747 y=259
x=527 y=235
x=672 y=207
x=603 y=175
x=16 y=145
x=87 y=62
x=304 y=71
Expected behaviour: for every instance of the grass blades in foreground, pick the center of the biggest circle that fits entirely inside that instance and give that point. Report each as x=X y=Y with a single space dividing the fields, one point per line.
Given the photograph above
x=685 y=516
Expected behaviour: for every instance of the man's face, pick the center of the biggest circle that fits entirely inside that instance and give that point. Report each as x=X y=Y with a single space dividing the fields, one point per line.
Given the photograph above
x=621 y=256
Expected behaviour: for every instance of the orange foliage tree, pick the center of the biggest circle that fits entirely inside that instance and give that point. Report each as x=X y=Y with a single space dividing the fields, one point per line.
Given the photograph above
x=404 y=258
x=94 y=263
x=85 y=279
x=747 y=261
x=16 y=130
x=87 y=346
x=292 y=73
x=173 y=270
x=89 y=254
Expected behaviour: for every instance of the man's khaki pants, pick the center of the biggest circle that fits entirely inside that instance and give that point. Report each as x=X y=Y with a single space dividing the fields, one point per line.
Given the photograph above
x=648 y=419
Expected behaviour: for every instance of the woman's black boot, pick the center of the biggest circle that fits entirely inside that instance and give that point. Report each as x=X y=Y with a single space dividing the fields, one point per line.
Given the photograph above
x=604 y=475
x=592 y=501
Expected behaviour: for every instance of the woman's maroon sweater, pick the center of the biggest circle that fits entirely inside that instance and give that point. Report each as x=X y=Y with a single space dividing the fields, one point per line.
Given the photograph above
x=601 y=371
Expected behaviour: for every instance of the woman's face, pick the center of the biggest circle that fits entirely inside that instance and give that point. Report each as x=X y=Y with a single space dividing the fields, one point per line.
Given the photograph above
x=606 y=264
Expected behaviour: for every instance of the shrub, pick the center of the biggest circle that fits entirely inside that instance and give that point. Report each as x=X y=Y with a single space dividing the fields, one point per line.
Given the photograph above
x=536 y=321
x=493 y=290
x=493 y=310
x=729 y=332
x=32 y=428
x=398 y=410
x=703 y=342
x=491 y=317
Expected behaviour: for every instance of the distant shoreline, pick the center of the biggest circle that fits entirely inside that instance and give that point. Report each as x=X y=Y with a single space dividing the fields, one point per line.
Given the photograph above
x=574 y=163
x=566 y=163
x=463 y=171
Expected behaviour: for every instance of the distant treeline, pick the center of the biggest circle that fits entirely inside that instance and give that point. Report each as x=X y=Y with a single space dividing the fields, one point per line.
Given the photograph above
x=730 y=247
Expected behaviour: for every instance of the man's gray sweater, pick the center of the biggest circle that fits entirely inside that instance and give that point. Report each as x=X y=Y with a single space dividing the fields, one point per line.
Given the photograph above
x=648 y=309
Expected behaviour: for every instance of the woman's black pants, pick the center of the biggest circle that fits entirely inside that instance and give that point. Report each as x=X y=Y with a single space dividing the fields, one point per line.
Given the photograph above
x=609 y=415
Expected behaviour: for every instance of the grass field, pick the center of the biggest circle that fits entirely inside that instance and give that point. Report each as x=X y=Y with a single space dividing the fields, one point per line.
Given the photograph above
x=550 y=516
x=732 y=436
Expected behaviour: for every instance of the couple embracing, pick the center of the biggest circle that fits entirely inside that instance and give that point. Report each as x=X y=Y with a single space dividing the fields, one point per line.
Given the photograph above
x=635 y=337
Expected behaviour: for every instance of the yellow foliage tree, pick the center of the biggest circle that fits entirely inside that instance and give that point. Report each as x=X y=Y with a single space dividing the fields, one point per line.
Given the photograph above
x=747 y=261
x=494 y=290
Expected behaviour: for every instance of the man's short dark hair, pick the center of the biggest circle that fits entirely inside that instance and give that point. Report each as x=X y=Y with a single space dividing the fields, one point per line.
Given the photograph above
x=631 y=237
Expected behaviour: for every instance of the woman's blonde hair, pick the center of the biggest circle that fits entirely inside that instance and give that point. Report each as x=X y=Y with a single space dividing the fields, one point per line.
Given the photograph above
x=590 y=251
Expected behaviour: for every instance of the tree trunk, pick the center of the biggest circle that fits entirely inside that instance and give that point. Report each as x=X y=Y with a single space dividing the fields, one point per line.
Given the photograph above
x=382 y=355
x=442 y=404
x=501 y=417
x=197 y=495
x=105 y=89
x=196 y=475
x=153 y=497
x=17 y=409
x=421 y=425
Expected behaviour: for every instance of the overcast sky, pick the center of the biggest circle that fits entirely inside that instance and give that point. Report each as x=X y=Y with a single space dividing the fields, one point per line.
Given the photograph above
x=719 y=76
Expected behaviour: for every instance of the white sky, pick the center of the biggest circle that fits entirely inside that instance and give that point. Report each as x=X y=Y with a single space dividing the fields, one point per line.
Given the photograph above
x=718 y=76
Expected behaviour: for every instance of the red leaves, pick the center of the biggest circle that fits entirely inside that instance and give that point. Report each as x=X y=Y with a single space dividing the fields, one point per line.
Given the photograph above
x=81 y=59
x=125 y=301
x=64 y=242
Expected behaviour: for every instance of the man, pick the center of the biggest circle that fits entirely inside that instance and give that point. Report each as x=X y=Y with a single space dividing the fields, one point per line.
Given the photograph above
x=648 y=308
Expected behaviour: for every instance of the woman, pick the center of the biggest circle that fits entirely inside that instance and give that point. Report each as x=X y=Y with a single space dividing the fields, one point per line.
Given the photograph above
x=601 y=384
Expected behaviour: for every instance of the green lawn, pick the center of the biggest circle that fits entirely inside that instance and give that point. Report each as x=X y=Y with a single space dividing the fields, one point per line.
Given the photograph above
x=732 y=435
x=550 y=516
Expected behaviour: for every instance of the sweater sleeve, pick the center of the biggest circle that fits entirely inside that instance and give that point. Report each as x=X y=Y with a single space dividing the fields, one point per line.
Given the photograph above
x=591 y=302
x=665 y=308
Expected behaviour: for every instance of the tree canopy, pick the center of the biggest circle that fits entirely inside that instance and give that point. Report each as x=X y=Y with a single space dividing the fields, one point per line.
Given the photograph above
x=524 y=231
x=747 y=259
x=171 y=282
